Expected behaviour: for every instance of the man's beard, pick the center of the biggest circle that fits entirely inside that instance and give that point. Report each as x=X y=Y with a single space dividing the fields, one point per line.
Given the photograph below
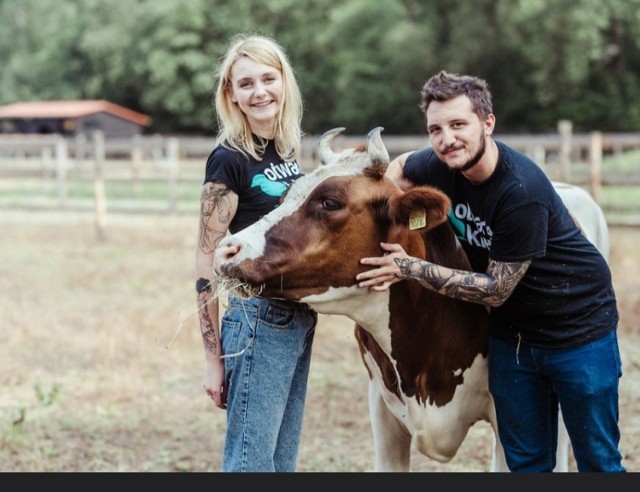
x=476 y=158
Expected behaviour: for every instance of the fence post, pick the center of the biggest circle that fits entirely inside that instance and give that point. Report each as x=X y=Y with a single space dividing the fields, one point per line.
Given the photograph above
x=62 y=163
x=595 y=158
x=47 y=168
x=173 y=159
x=539 y=156
x=81 y=148
x=565 y=129
x=98 y=184
x=137 y=156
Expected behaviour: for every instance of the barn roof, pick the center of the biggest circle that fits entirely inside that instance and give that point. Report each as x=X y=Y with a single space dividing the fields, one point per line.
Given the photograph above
x=71 y=109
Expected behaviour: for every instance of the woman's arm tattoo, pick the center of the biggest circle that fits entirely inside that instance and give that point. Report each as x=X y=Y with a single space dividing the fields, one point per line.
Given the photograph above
x=214 y=204
x=490 y=289
x=209 y=338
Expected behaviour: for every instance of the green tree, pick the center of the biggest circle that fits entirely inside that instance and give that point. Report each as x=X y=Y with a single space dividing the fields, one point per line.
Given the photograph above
x=38 y=50
x=580 y=53
x=377 y=52
x=360 y=63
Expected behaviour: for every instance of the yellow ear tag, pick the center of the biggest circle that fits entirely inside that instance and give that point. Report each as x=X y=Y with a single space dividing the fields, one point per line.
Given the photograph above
x=418 y=219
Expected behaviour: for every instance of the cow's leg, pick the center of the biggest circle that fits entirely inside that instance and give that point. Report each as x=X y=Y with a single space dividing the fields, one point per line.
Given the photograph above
x=392 y=442
x=562 y=451
x=498 y=460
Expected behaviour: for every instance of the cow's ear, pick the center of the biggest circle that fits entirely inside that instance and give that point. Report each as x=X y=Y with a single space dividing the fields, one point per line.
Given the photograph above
x=423 y=208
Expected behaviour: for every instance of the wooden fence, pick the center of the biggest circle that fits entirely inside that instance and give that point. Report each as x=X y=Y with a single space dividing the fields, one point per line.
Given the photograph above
x=565 y=156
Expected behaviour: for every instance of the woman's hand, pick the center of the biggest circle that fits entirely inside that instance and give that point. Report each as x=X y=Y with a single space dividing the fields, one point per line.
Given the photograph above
x=213 y=382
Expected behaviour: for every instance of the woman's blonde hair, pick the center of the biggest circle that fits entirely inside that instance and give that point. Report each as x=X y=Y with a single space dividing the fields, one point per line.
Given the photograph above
x=233 y=126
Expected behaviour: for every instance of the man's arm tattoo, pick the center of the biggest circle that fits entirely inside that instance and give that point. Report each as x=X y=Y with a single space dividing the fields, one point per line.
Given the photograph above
x=490 y=289
x=214 y=203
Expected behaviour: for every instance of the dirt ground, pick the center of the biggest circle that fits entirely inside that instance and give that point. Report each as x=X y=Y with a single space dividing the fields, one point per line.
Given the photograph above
x=101 y=359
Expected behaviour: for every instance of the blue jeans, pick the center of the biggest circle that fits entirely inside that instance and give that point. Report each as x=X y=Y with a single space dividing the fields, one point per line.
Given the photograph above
x=528 y=383
x=267 y=347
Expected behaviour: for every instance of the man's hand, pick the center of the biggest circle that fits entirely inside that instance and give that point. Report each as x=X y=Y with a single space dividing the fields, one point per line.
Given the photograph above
x=387 y=273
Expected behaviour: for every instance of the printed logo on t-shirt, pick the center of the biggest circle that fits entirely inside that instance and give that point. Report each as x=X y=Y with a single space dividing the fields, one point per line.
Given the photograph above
x=276 y=178
x=469 y=228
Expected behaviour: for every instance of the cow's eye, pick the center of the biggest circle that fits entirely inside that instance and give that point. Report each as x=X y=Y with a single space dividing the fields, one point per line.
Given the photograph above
x=330 y=204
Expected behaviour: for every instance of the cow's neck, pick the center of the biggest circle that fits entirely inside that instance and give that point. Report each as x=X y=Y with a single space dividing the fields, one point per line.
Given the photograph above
x=367 y=308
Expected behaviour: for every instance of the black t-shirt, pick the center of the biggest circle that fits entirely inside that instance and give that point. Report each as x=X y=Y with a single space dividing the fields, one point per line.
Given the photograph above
x=566 y=297
x=258 y=184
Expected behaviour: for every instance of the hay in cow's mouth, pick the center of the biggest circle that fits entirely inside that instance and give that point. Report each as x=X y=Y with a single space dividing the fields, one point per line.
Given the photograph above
x=229 y=285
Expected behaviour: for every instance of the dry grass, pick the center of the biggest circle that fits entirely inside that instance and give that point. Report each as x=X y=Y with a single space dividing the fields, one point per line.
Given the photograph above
x=88 y=383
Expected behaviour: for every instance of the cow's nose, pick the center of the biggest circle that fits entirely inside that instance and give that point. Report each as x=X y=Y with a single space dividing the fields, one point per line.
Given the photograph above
x=223 y=254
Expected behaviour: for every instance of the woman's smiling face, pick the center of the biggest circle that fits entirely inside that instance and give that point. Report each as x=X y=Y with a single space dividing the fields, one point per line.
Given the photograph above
x=257 y=89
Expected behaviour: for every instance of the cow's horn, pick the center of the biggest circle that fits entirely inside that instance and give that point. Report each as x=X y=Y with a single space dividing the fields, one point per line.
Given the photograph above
x=324 y=145
x=377 y=151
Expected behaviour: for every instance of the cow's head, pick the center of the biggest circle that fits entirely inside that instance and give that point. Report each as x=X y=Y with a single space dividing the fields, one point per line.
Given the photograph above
x=309 y=248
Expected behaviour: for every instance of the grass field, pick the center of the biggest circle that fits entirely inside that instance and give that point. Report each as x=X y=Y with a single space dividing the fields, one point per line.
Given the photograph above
x=101 y=358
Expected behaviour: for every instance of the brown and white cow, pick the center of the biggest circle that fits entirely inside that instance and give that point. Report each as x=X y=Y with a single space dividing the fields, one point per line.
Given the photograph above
x=426 y=354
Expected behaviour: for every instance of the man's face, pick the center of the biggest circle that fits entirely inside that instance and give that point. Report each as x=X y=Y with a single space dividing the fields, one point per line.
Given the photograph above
x=457 y=134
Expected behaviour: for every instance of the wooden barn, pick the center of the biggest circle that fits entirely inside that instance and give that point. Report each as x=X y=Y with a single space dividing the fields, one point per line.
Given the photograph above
x=71 y=118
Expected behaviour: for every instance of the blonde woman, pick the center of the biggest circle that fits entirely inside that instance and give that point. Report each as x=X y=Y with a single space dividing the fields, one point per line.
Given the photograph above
x=262 y=380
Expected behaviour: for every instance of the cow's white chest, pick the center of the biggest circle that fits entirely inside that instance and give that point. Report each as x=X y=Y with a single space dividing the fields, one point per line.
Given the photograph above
x=367 y=308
